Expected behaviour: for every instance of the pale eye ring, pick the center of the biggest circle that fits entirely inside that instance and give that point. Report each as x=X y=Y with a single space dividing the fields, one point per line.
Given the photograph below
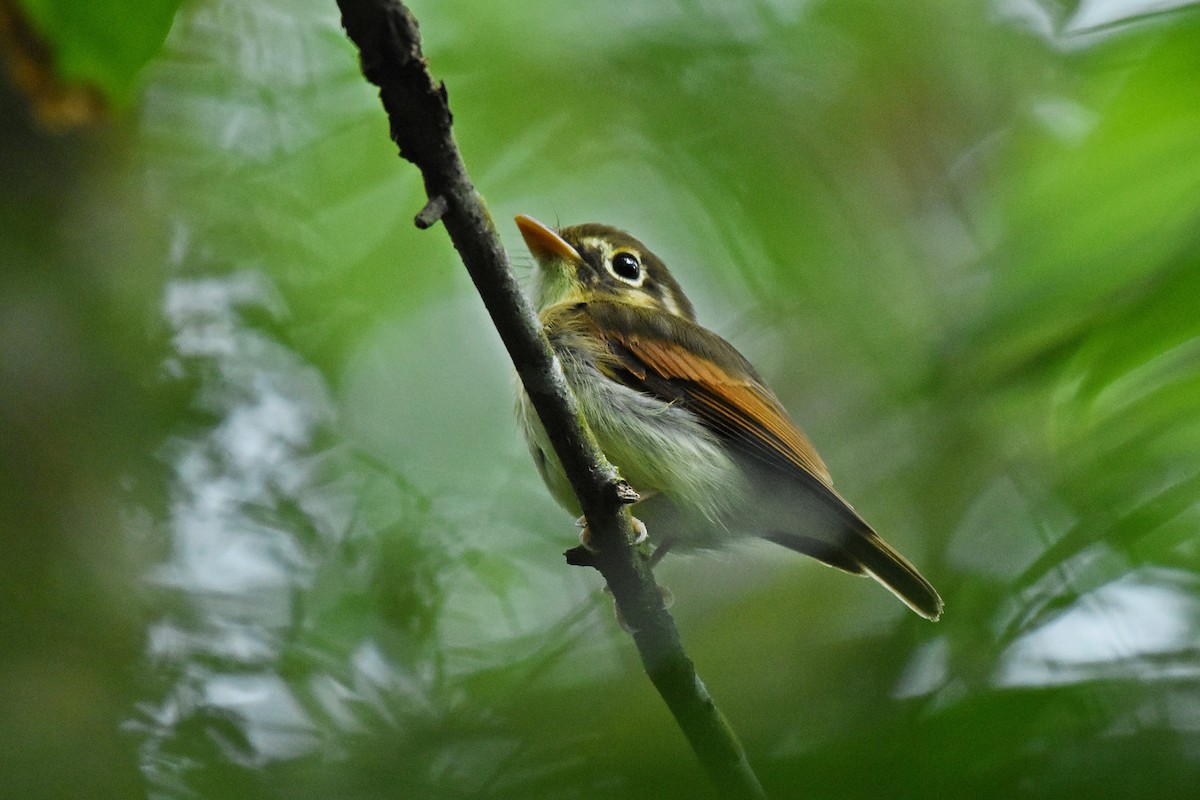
x=625 y=265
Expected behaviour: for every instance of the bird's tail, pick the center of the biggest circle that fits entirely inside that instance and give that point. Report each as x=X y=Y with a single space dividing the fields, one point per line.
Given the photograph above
x=861 y=551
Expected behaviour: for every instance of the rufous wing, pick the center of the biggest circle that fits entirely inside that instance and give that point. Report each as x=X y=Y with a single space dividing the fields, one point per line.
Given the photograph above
x=680 y=362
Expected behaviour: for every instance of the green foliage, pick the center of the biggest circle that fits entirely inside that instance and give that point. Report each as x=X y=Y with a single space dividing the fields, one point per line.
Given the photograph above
x=102 y=42
x=961 y=245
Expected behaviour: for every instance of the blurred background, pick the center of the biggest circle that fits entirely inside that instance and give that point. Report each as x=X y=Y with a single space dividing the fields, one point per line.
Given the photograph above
x=268 y=526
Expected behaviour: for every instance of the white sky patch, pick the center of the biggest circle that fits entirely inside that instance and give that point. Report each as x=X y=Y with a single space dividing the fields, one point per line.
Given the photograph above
x=270 y=404
x=1090 y=14
x=1110 y=632
x=273 y=721
x=926 y=671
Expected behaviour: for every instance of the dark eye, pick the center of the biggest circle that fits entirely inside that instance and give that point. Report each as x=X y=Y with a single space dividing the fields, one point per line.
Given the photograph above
x=627 y=267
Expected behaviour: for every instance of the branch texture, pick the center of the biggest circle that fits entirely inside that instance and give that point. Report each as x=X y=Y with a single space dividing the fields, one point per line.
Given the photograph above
x=389 y=42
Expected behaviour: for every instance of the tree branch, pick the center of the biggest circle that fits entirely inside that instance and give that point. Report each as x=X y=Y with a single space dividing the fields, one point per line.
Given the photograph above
x=388 y=39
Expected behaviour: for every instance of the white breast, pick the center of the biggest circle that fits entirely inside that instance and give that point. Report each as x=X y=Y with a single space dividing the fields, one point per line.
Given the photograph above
x=661 y=449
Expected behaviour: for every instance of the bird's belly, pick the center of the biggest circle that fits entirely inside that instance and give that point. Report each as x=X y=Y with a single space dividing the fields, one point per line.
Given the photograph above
x=689 y=481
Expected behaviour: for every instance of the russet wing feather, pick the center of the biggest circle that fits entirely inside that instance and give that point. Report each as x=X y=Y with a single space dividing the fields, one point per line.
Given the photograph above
x=678 y=361
x=695 y=368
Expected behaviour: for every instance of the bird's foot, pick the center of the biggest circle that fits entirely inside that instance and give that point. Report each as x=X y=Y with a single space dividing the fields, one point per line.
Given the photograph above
x=585 y=535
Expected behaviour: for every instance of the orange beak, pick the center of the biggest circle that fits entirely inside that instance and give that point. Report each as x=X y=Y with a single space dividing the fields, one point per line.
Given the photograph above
x=543 y=242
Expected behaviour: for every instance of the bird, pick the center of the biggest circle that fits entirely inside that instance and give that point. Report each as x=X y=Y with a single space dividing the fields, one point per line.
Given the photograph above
x=685 y=418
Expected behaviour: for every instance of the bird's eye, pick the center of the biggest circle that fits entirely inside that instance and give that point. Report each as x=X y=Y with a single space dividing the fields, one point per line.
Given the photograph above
x=626 y=266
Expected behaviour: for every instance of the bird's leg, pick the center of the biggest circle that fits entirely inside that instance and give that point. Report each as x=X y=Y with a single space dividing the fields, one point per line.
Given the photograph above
x=660 y=551
x=641 y=537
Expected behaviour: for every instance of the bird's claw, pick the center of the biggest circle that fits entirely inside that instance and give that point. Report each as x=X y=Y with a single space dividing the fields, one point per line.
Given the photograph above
x=639 y=528
x=585 y=535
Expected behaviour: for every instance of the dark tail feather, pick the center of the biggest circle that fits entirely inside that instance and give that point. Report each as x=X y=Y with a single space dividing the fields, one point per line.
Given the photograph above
x=862 y=552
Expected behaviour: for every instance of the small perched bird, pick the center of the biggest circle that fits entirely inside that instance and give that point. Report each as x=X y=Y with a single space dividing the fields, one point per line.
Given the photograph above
x=685 y=417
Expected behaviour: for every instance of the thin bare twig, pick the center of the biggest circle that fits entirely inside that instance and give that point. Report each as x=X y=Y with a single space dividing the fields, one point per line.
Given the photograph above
x=388 y=39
